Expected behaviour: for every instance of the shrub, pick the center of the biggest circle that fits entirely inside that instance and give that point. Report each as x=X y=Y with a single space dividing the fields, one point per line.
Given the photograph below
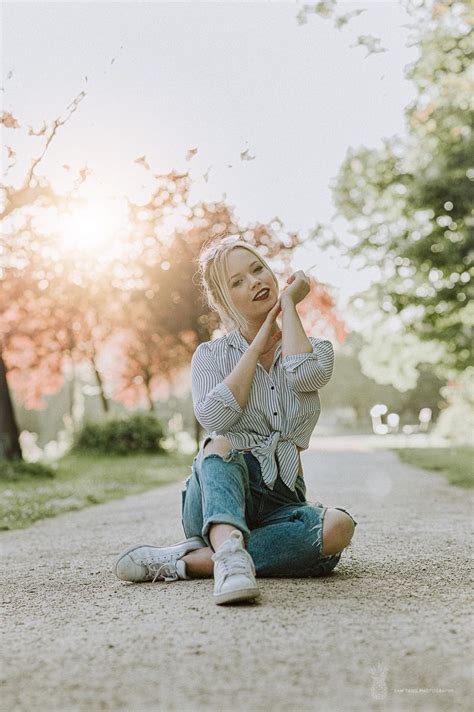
x=19 y=469
x=141 y=432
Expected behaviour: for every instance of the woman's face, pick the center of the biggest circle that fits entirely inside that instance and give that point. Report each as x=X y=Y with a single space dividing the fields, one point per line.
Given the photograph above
x=248 y=276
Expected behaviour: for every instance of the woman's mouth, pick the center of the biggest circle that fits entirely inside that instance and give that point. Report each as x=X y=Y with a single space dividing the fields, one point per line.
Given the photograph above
x=262 y=295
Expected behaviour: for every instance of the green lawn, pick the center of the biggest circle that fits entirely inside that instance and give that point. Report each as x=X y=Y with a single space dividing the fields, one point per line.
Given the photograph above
x=455 y=462
x=83 y=480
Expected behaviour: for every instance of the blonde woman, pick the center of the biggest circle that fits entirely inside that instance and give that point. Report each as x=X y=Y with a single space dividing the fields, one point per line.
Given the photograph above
x=255 y=391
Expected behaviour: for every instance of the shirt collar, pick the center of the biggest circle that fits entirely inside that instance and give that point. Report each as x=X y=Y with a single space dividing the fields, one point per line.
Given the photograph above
x=235 y=338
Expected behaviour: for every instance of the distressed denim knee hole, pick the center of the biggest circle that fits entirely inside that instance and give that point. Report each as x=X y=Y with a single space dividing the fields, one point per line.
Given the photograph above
x=231 y=455
x=341 y=509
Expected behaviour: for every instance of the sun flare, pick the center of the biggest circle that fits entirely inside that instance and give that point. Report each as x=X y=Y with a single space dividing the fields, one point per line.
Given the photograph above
x=91 y=226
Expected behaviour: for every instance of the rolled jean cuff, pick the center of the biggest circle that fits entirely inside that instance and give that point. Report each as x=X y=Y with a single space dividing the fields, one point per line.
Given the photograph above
x=224 y=519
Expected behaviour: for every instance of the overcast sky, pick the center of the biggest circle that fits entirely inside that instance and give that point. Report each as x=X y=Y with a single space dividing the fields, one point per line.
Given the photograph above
x=219 y=76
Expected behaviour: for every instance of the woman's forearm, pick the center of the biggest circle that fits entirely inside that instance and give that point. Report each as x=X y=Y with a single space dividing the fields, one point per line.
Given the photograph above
x=294 y=339
x=240 y=379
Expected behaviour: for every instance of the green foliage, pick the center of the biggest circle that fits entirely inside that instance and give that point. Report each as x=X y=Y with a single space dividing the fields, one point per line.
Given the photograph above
x=13 y=470
x=351 y=387
x=140 y=432
x=402 y=371
x=454 y=462
x=409 y=203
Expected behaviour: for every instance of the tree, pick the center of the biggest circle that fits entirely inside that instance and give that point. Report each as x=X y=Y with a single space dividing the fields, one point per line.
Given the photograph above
x=32 y=190
x=409 y=203
x=57 y=311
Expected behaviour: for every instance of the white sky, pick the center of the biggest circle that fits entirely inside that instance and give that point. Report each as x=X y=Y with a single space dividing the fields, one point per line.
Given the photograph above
x=220 y=76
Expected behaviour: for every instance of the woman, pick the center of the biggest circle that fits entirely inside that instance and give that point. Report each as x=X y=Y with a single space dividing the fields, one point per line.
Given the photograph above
x=255 y=391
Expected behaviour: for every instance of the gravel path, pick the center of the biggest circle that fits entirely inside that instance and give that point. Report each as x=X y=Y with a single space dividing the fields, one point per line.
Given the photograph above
x=389 y=629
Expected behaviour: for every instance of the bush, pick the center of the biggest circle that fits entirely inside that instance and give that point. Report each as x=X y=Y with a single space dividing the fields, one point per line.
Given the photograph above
x=19 y=469
x=141 y=432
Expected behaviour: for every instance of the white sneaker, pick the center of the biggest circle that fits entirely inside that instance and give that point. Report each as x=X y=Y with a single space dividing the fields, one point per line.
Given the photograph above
x=234 y=571
x=153 y=563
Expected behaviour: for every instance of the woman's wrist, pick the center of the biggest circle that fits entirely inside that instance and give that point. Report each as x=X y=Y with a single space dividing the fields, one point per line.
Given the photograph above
x=253 y=352
x=287 y=303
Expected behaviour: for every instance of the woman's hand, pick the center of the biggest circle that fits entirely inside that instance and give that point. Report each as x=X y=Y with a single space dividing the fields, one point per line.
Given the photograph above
x=300 y=288
x=263 y=341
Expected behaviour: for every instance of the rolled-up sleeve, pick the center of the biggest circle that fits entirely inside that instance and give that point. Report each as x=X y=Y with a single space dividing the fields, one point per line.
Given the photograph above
x=310 y=371
x=214 y=403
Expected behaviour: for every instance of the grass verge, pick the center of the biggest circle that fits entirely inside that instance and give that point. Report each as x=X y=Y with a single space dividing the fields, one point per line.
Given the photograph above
x=82 y=480
x=454 y=462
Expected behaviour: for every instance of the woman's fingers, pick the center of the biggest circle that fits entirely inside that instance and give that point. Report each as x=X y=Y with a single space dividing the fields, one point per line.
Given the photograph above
x=298 y=274
x=276 y=307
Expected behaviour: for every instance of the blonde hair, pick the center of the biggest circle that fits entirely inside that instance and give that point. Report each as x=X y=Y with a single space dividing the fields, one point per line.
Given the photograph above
x=214 y=276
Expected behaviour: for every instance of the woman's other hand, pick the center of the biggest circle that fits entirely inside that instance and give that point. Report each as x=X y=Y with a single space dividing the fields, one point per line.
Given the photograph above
x=264 y=340
x=299 y=289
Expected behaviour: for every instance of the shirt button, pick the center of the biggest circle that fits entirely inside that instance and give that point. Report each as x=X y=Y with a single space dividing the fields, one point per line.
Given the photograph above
x=273 y=388
x=275 y=413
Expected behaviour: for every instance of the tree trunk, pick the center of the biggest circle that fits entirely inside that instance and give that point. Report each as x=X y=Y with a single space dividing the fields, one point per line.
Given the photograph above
x=151 y=405
x=9 y=438
x=71 y=385
x=74 y=403
x=105 y=402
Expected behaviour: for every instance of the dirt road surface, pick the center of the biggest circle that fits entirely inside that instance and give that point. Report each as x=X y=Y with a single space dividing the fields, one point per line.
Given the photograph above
x=388 y=629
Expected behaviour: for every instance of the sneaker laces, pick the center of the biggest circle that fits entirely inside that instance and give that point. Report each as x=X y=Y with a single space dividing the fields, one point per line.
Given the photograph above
x=166 y=571
x=233 y=562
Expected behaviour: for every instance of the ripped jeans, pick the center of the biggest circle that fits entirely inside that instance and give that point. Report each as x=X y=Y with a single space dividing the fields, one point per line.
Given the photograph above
x=283 y=532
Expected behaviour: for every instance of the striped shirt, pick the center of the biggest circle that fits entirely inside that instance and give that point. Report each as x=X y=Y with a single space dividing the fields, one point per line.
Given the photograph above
x=283 y=405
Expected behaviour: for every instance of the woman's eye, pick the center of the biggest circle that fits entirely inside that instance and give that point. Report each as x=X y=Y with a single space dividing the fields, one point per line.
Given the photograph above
x=257 y=269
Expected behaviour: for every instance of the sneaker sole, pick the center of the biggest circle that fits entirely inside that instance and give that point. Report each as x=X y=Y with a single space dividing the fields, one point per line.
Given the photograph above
x=194 y=540
x=242 y=594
